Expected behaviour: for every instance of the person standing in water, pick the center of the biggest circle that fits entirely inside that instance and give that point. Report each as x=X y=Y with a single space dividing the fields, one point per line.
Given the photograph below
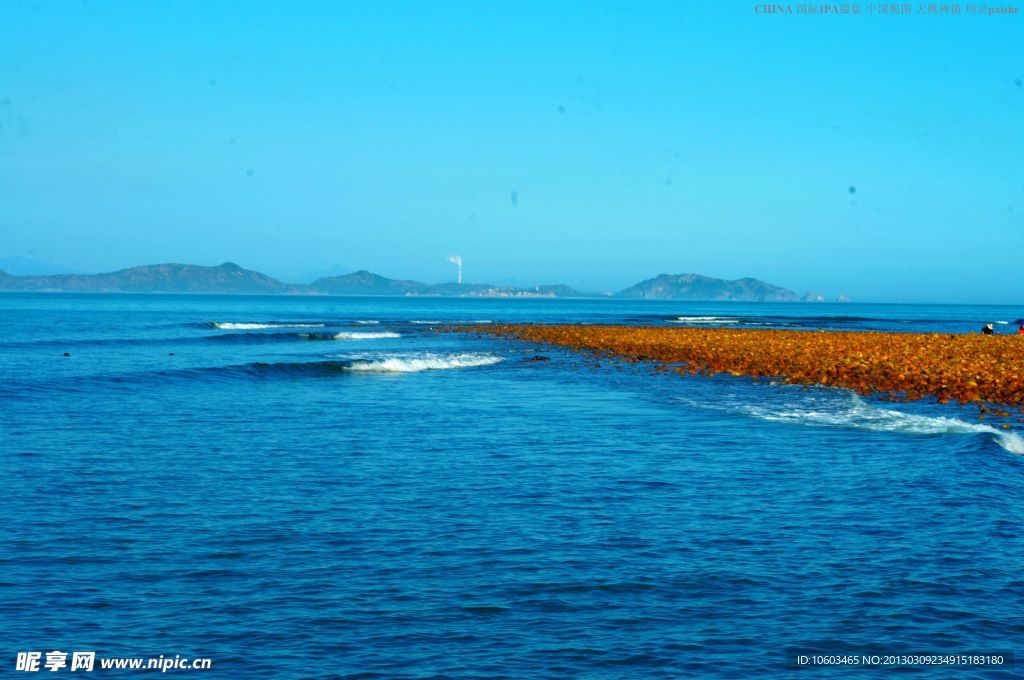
x=1020 y=329
x=988 y=330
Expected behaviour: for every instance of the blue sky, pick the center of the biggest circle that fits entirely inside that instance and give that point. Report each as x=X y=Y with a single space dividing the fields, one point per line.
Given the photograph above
x=590 y=143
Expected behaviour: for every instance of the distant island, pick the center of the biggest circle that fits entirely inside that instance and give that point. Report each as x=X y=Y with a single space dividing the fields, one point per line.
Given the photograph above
x=230 y=278
x=697 y=287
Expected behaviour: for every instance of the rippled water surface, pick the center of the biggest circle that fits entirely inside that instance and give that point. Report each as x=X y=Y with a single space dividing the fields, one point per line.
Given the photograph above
x=314 y=487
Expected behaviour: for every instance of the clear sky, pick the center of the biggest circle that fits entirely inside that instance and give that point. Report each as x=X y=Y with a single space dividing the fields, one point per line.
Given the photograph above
x=590 y=143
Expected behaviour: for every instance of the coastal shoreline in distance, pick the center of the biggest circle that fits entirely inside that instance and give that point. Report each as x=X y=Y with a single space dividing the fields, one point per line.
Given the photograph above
x=230 y=278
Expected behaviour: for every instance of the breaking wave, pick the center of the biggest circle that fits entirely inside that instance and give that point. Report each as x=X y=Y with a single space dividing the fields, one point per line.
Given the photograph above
x=703 y=320
x=247 y=326
x=356 y=335
x=424 y=363
x=334 y=367
x=260 y=338
x=832 y=407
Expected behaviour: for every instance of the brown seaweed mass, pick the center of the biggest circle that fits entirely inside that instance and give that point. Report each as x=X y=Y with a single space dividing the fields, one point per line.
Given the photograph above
x=962 y=368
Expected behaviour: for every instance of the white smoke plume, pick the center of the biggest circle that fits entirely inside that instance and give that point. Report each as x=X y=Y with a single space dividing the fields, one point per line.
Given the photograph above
x=457 y=261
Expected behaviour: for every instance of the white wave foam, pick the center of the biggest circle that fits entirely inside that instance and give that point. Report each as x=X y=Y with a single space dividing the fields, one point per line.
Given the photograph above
x=367 y=322
x=1003 y=322
x=424 y=363
x=833 y=407
x=231 y=326
x=703 y=319
x=1011 y=441
x=418 y=322
x=356 y=335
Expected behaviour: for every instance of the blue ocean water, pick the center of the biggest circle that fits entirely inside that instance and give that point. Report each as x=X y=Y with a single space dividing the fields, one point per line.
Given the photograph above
x=329 y=487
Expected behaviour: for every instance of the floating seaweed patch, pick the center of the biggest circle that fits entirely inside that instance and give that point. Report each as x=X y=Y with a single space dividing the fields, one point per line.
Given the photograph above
x=896 y=366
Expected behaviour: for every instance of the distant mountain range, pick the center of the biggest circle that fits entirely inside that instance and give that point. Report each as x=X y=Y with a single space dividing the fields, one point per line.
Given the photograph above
x=156 y=278
x=697 y=287
x=229 y=278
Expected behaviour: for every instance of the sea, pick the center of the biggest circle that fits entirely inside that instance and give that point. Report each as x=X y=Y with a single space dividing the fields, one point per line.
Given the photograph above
x=319 y=487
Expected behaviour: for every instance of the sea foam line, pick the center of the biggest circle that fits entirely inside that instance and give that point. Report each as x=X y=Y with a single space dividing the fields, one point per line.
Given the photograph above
x=358 y=335
x=424 y=363
x=832 y=407
x=245 y=326
x=702 y=319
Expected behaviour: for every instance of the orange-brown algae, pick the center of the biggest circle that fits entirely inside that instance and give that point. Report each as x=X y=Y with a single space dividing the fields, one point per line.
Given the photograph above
x=899 y=366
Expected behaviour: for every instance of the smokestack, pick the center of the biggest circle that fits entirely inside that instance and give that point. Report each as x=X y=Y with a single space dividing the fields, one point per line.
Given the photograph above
x=457 y=261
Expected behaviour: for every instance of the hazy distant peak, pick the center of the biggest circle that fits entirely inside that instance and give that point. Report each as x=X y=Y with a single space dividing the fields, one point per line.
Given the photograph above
x=363 y=282
x=169 y=277
x=23 y=266
x=700 y=287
